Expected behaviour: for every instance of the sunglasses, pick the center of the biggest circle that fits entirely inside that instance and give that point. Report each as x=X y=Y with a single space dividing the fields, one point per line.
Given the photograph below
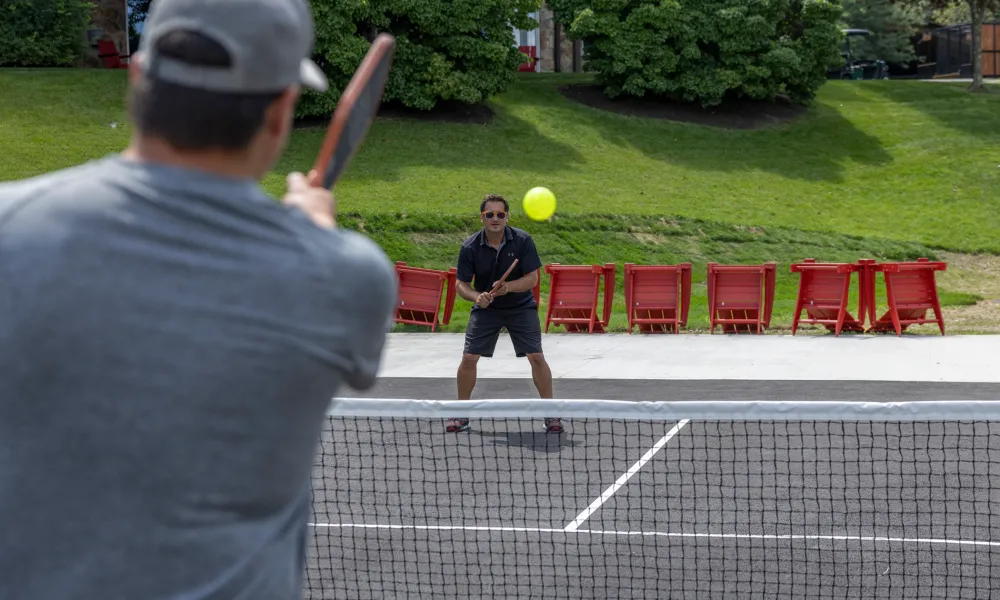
x=490 y=214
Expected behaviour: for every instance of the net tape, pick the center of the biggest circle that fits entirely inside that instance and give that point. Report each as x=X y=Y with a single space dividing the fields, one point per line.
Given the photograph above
x=726 y=410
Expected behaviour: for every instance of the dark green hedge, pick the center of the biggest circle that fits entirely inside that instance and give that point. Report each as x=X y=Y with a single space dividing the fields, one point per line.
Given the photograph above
x=42 y=33
x=461 y=50
x=706 y=50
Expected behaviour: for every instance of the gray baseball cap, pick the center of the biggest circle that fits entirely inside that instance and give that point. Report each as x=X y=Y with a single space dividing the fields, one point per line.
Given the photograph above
x=270 y=42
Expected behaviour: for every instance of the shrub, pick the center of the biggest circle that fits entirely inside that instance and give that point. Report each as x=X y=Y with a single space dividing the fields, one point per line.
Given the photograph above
x=707 y=51
x=461 y=50
x=42 y=33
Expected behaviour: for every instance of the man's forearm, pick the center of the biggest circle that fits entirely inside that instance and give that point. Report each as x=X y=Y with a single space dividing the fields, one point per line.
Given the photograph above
x=466 y=292
x=524 y=283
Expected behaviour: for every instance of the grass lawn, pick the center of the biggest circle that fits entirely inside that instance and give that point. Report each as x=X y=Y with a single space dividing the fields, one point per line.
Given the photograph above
x=888 y=170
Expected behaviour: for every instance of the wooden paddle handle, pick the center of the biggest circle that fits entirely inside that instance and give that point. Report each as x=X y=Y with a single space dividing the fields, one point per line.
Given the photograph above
x=504 y=278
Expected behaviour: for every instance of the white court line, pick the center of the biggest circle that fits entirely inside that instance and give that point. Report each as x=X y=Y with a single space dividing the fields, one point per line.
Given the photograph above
x=596 y=504
x=738 y=536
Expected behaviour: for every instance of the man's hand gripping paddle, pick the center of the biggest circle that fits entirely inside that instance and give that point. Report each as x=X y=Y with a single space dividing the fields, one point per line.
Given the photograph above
x=498 y=284
x=504 y=278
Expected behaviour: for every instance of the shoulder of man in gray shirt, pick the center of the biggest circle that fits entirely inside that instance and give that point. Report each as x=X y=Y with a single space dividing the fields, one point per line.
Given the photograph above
x=169 y=343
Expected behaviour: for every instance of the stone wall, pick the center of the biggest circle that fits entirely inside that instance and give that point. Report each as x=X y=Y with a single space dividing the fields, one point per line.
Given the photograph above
x=110 y=17
x=546 y=43
x=108 y=21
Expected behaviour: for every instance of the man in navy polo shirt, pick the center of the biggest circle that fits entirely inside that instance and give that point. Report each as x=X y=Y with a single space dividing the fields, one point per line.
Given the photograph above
x=484 y=258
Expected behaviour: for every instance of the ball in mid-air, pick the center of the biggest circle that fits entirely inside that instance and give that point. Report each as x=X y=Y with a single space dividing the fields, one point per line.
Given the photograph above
x=539 y=203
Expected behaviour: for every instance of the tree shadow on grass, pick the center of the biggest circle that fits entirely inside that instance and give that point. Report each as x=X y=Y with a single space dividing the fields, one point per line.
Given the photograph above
x=950 y=104
x=816 y=146
x=399 y=141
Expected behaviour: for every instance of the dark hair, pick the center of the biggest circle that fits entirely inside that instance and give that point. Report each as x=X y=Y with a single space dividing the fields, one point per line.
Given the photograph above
x=194 y=119
x=493 y=198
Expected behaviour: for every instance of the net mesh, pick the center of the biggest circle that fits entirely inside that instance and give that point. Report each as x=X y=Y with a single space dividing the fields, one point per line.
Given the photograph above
x=655 y=508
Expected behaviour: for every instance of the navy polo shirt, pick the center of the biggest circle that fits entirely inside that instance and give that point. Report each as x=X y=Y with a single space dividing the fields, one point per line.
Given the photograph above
x=478 y=261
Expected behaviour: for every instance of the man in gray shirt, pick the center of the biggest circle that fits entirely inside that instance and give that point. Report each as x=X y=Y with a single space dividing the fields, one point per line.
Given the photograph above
x=171 y=337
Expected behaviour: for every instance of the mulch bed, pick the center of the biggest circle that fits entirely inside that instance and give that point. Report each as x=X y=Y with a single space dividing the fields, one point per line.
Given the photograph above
x=739 y=114
x=444 y=112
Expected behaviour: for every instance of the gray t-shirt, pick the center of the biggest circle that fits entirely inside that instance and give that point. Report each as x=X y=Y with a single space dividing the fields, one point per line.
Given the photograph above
x=169 y=343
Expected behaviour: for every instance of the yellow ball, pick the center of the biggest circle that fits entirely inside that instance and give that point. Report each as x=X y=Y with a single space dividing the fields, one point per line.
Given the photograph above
x=539 y=203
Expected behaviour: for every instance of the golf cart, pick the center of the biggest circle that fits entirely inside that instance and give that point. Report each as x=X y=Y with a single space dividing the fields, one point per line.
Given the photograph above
x=853 y=68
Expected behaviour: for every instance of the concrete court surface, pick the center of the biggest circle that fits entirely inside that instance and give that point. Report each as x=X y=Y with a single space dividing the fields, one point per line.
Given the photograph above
x=740 y=357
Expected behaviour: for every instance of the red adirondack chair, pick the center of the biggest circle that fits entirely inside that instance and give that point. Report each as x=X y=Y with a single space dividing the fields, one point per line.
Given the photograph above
x=911 y=291
x=109 y=54
x=420 y=291
x=529 y=65
x=740 y=297
x=823 y=293
x=574 y=297
x=657 y=297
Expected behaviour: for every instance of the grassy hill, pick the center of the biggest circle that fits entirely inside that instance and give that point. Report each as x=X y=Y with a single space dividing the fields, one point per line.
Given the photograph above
x=888 y=170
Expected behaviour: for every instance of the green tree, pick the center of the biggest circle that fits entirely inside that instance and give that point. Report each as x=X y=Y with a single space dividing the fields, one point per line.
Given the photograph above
x=977 y=11
x=42 y=33
x=707 y=50
x=958 y=14
x=461 y=50
x=892 y=24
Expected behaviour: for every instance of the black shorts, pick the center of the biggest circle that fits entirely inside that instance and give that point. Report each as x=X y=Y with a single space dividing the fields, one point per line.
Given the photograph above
x=484 y=327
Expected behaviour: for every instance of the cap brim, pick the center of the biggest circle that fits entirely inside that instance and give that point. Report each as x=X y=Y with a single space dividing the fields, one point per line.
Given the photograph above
x=311 y=76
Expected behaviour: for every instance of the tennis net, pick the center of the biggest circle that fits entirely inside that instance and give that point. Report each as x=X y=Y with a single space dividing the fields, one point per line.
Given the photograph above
x=656 y=500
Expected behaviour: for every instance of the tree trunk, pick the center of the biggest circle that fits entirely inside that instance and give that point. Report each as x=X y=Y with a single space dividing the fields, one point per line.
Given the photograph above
x=977 y=10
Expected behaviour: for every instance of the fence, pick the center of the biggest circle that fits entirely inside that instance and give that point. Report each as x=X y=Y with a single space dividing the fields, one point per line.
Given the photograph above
x=953 y=50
